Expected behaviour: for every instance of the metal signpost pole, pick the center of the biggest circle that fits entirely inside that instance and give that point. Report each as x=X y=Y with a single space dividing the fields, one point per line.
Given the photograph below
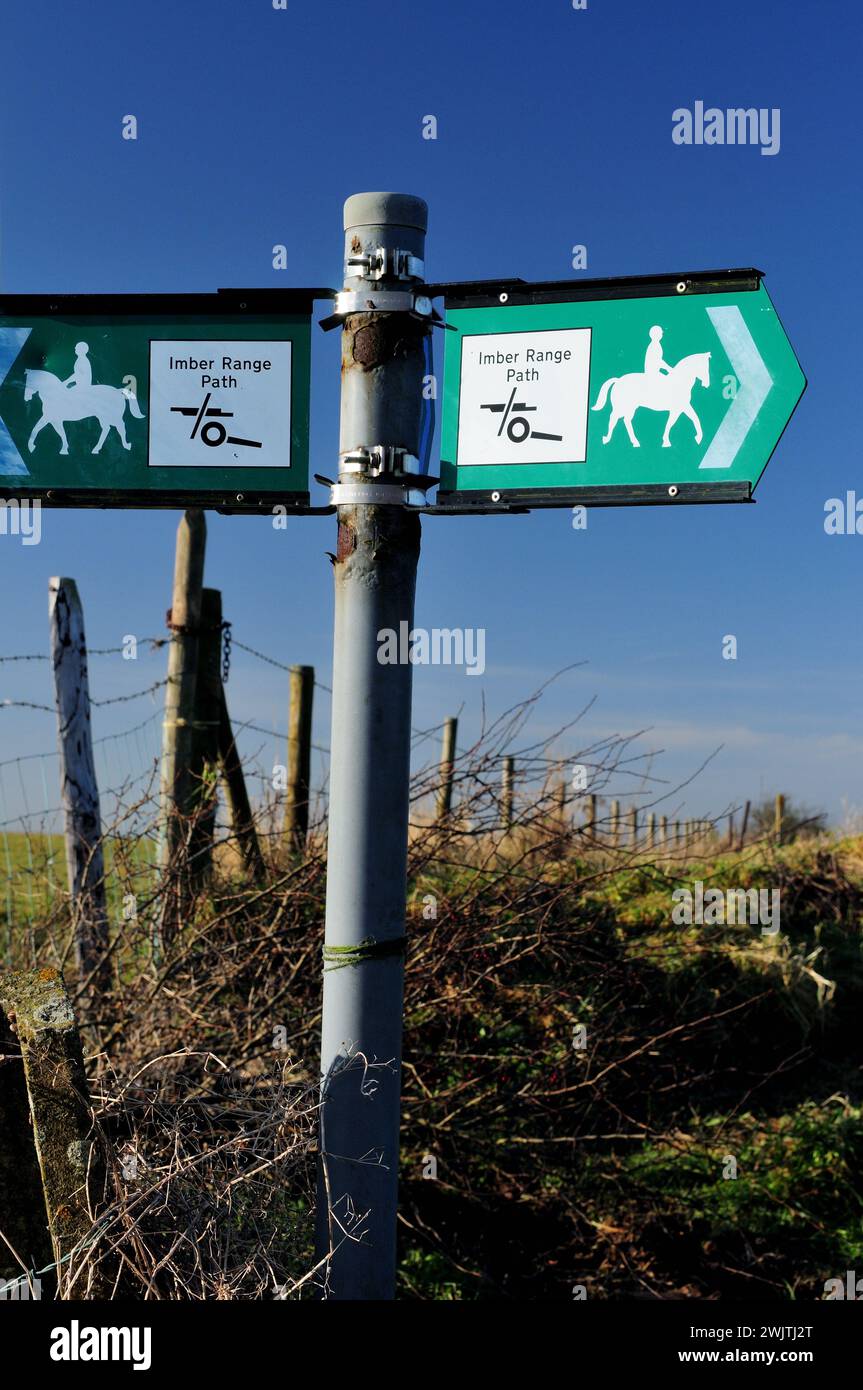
x=385 y=321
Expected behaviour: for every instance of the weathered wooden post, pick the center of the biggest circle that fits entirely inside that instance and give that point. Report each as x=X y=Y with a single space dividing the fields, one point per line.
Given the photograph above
x=745 y=824
x=447 y=763
x=731 y=830
x=35 y=1010
x=237 y=797
x=633 y=826
x=560 y=808
x=663 y=831
x=80 y=794
x=22 y=1203
x=205 y=738
x=779 y=817
x=178 y=730
x=590 y=817
x=615 y=823
x=298 y=790
x=651 y=830
x=678 y=832
x=506 y=795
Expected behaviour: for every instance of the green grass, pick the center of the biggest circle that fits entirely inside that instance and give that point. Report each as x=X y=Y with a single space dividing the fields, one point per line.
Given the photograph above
x=33 y=881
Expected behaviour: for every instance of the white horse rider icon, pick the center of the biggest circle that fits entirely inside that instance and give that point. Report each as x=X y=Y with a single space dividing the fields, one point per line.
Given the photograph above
x=654 y=362
x=658 y=387
x=77 y=398
x=83 y=373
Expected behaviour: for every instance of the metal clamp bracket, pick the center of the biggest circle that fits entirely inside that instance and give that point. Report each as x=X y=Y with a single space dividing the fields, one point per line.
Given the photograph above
x=385 y=263
x=376 y=494
x=370 y=301
x=384 y=460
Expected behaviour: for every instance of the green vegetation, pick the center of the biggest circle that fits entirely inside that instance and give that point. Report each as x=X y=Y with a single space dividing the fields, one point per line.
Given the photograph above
x=592 y=1094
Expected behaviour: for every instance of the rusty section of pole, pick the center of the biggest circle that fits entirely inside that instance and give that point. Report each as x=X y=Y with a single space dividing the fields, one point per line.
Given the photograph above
x=298 y=788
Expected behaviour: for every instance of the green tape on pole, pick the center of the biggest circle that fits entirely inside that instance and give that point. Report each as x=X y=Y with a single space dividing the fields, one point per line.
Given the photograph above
x=337 y=957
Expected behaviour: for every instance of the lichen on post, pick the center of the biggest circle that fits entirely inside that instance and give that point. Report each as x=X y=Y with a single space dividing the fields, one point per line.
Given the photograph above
x=39 y=1015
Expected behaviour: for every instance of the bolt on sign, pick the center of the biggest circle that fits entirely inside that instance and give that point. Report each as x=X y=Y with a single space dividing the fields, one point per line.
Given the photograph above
x=156 y=400
x=613 y=391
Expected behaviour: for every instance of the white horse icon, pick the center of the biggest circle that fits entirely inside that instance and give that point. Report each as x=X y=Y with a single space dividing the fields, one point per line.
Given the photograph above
x=62 y=402
x=659 y=387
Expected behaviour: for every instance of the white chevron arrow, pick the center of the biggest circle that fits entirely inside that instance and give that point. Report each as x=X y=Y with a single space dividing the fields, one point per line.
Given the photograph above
x=11 y=342
x=754 y=385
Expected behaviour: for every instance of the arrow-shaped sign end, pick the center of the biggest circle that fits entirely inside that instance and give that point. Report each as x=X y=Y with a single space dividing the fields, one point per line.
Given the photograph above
x=11 y=463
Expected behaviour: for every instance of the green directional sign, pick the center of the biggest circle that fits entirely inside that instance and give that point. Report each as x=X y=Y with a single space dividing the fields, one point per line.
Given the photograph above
x=152 y=401
x=665 y=390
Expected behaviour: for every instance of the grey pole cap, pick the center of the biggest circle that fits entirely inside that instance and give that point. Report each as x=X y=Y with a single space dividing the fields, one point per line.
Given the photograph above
x=381 y=209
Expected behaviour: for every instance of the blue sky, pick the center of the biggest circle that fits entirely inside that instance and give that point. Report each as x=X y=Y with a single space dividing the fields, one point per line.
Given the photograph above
x=554 y=128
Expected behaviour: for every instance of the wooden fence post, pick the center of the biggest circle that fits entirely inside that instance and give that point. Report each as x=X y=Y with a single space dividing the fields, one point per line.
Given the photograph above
x=70 y=1162
x=779 y=817
x=589 y=828
x=178 y=731
x=663 y=831
x=22 y=1202
x=506 y=796
x=731 y=830
x=85 y=861
x=615 y=823
x=447 y=761
x=237 y=797
x=651 y=830
x=560 y=815
x=205 y=738
x=744 y=825
x=633 y=826
x=298 y=789
x=678 y=835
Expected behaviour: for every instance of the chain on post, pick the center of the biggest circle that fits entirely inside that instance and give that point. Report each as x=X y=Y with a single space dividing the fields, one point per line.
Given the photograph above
x=226 y=651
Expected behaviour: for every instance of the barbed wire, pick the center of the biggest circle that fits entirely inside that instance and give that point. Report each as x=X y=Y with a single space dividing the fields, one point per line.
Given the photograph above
x=271 y=661
x=99 y=704
x=154 y=642
x=27 y=704
x=136 y=695
x=272 y=733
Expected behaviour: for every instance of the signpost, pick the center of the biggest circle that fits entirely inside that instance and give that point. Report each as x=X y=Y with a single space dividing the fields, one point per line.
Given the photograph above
x=670 y=389
x=613 y=392
x=156 y=400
